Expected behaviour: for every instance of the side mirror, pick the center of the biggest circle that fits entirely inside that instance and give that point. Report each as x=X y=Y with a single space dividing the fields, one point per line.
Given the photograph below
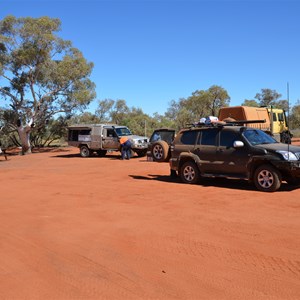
x=238 y=144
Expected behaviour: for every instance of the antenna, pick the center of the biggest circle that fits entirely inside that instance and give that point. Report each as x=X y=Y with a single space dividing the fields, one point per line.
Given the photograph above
x=288 y=112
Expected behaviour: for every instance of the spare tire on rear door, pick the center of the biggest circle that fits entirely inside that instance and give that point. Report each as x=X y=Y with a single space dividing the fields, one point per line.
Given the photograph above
x=160 y=151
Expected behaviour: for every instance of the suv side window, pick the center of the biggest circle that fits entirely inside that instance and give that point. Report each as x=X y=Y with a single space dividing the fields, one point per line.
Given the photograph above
x=227 y=138
x=110 y=132
x=189 y=137
x=208 y=137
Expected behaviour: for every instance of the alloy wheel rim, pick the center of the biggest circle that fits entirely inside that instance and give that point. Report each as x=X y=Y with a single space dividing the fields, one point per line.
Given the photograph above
x=265 y=179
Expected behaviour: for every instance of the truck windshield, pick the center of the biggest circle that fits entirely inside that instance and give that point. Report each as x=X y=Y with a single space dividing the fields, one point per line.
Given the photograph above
x=257 y=137
x=121 y=131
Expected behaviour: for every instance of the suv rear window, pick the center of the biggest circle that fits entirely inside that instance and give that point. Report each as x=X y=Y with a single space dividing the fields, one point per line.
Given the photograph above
x=189 y=137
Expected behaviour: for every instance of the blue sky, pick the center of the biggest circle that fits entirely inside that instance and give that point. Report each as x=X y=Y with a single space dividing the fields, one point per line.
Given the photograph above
x=149 y=52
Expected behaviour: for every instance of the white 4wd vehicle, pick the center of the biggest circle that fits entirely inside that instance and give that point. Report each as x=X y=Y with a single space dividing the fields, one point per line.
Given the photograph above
x=100 y=138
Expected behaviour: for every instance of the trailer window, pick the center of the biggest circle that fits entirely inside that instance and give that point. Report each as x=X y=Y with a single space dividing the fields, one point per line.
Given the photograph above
x=74 y=135
x=274 y=117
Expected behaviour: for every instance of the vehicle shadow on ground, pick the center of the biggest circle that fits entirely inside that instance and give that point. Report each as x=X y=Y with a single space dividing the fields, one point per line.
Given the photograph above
x=214 y=182
x=107 y=156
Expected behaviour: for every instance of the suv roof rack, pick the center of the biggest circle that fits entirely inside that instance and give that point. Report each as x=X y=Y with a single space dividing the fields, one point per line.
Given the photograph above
x=223 y=123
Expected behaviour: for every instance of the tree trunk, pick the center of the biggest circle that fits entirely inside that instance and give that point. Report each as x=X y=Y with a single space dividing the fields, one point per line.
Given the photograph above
x=24 y=135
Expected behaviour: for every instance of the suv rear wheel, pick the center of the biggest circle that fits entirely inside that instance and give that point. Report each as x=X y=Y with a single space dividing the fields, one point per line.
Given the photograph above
x=189 y=172
x=267 y=179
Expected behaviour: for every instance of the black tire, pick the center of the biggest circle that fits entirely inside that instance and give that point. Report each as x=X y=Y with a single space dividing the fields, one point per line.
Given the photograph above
x=267 y=179
x=160 y=151
x=101 y=153
x=293 y=181
x=173 y=174
x=85 y=151
x=140 y=153
x=189 y=173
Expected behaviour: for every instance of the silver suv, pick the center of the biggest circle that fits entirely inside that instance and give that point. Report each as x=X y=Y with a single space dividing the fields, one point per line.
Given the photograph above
x=100 y=138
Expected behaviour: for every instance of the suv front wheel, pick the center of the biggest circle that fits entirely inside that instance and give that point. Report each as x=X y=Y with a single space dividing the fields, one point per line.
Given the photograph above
x=189 y=172
x=267 y=179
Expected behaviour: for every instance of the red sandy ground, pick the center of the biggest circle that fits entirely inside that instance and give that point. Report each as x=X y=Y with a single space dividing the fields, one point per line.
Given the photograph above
x=102 y=228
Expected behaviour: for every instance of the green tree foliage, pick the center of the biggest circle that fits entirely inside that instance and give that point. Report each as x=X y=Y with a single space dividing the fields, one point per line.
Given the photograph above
x=51 y=132
x=42 y=74
x=252 y=103
x=117 y=112
x=218 y=97
x=84 y=118
x=267 y=97
x=294 y=118
x=201 y=103
x=283 y=104
x=104 y=110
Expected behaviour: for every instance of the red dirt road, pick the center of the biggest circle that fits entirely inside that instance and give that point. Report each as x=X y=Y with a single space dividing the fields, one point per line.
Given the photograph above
x=102 y=228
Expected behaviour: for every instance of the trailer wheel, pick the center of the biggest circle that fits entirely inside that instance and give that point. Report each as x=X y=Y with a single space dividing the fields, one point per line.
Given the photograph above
x=267 y=179
x=85 y=151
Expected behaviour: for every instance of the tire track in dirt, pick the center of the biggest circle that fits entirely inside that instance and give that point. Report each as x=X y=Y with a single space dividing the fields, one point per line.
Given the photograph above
x=251 y=260
x=271 y=273
x=74 y=275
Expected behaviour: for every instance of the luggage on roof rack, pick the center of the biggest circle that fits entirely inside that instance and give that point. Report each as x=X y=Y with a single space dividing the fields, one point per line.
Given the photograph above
x=225 y=123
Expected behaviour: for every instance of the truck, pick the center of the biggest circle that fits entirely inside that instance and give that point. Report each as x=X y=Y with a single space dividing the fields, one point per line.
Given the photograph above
x=275 y=120
x=100 y=138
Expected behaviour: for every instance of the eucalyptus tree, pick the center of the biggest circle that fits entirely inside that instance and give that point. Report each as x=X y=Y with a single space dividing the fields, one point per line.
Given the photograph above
x=40 y=73
x=267 y=97
x=201 y=103
x=295 y=116
x=252 y=103
x=218 y=97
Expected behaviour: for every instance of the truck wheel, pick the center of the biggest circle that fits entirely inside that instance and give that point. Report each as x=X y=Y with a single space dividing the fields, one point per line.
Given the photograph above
x=101 y=153
x=189 y=172
x=85 y=151
x=160 y=151
x=267 y=179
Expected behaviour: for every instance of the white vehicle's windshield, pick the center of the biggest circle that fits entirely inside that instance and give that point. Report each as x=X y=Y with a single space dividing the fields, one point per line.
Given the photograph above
x=121 y=131
x=257 y=137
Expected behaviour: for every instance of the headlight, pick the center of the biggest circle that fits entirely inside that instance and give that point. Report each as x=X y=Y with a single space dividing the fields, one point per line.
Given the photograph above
x=287 y=155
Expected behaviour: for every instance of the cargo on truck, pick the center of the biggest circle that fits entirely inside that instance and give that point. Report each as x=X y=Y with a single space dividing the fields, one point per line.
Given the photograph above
x=275 y=120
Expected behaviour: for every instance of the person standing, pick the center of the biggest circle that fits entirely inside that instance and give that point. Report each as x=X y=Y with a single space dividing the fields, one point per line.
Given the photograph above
x=125 y=147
